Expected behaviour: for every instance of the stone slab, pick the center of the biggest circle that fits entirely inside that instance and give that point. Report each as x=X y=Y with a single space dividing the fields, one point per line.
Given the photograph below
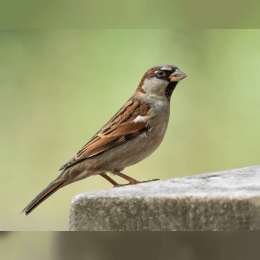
x=226 y=200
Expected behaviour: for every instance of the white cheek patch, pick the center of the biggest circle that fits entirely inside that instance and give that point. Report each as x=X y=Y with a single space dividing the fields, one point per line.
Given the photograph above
x=155 y=86
x=140 y=119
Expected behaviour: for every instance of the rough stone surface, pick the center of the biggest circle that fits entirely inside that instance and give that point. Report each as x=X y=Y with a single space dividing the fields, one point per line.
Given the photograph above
x=226 y=200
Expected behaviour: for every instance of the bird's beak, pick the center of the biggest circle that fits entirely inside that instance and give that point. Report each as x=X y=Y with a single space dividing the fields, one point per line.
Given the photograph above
x=177 y=75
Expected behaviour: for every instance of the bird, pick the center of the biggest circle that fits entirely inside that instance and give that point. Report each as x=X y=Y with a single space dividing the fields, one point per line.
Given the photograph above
x=129 y=137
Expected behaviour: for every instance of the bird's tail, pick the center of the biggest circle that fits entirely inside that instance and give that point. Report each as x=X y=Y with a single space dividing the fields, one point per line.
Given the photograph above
x=48 y=191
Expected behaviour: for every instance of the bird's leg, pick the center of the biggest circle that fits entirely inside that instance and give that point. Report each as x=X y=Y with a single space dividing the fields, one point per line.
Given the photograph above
x=131 y=180
x=109 y=179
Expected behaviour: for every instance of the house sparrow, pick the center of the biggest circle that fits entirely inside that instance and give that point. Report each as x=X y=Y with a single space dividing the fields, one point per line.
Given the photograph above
x=130 y=136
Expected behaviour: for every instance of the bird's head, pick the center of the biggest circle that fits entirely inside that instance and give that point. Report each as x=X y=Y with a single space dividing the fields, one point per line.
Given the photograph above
x=161 y=80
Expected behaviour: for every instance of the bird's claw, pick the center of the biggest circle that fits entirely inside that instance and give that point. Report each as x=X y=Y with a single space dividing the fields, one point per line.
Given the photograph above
x=130 y=183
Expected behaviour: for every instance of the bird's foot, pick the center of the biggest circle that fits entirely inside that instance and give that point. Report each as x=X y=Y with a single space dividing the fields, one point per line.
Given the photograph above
x=133 y=183
x=130 y=183
x=150 y=180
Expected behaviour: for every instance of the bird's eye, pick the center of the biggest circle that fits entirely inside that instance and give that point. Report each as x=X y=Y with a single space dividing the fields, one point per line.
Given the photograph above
x=161 y=73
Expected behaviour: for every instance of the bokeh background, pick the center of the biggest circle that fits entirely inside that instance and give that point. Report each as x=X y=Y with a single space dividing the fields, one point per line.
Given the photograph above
x=93 y=14
x=58 y=87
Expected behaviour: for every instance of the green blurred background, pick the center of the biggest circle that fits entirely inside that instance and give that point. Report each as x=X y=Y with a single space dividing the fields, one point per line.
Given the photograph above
x=146 y=14
x=58 y=87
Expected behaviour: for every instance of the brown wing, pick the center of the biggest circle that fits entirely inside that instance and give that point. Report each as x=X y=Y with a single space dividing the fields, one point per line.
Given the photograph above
x=118 y=130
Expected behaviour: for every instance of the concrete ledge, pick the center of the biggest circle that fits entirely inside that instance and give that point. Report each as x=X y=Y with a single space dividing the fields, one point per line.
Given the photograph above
x=226 y=200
